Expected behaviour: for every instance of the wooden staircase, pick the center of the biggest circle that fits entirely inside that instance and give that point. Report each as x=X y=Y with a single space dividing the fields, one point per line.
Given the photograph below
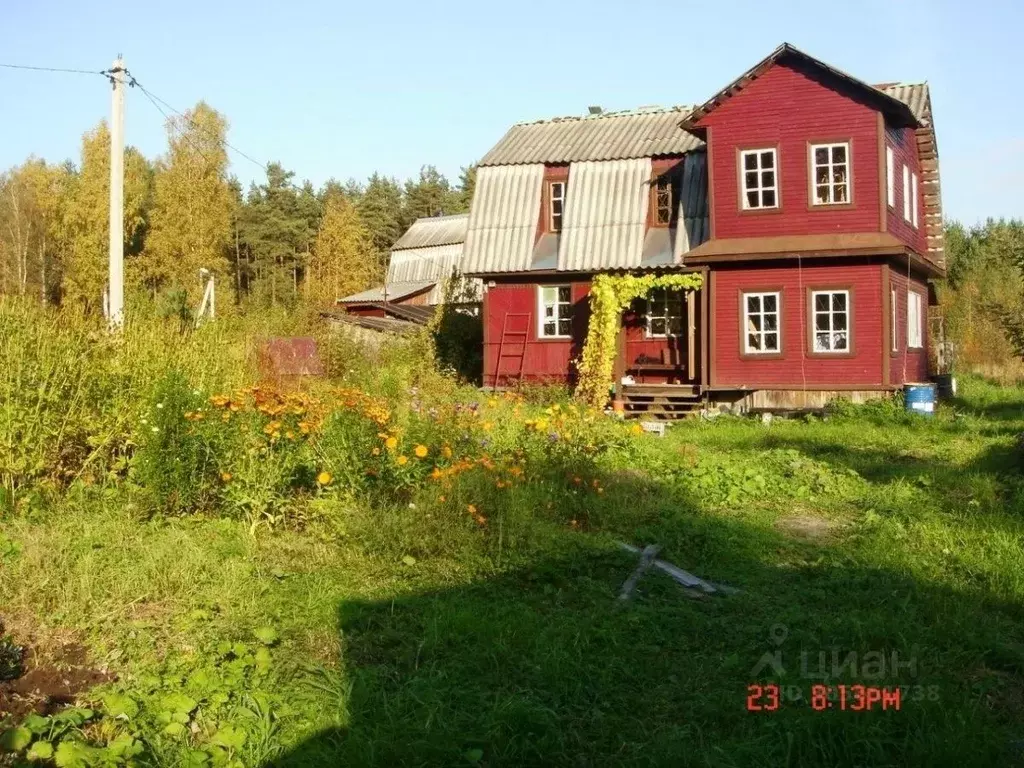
x=661 y=401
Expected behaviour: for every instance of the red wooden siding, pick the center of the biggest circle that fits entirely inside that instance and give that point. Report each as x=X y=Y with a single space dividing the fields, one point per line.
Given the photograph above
x=796 y=367
x=907 y=365
x=903 y=142
x=545 y=359
x=786 y=108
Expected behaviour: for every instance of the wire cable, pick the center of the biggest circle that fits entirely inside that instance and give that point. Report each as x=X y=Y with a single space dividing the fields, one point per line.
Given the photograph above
x=55 y=69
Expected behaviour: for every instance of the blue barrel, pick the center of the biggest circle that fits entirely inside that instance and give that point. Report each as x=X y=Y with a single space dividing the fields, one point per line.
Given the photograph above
x=920 y=398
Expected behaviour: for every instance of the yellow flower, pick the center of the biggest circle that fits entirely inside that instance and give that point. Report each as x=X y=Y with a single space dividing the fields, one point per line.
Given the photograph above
x=421 y=451
x=324 y=478
x=441 y=499
x=471 y=508
x=375 y=451
x=492 y=402
x=636 y=429
x=391 y=443
x=402 y=460
x=304 y=427
x=487 y=426
x=447 y=452
x=225 y=476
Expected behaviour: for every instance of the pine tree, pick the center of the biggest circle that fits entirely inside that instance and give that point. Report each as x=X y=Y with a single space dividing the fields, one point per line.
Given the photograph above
x=381 y=210
x=190 y=226
x=467 y=186
x=343 y=260
x=429 y=195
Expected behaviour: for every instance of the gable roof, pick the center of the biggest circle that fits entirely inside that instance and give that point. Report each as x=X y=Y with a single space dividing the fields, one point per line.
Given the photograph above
x=434 y=230
x=625 y=135
x=885 y=101
x=395 y=292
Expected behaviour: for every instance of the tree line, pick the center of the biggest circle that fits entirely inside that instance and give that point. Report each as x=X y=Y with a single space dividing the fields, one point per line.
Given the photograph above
x=276 y=243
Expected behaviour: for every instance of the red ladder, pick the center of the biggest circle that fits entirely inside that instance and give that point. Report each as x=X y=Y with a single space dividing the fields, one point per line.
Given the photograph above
x=506 y=332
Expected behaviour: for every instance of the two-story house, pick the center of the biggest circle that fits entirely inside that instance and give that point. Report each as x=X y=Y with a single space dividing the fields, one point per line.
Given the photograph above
x=808 y=199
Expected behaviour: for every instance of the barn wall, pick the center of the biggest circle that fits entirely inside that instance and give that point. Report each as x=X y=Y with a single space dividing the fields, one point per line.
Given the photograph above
x=542 y=359
x=908 y=365
x=785 y=108
x=903 y=142
x=796 y=368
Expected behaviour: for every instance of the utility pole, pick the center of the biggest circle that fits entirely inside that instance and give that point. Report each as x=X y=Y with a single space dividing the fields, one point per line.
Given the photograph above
x=115 y=312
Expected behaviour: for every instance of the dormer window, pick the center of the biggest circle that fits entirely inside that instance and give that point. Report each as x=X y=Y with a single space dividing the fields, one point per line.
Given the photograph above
x=556 y=205
x=759 y=179
x=661 y=201
x=830 y=173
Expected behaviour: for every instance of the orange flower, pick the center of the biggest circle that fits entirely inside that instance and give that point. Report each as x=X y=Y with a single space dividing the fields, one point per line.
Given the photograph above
x=421 y=451
x=325 y=478
x=471 y=509
x=225 y=476
x=402 y=460
x=441 y=499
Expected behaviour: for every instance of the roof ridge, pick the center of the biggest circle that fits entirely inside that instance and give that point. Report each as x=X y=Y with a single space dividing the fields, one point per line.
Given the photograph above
x=634 y=112
x=440 y=218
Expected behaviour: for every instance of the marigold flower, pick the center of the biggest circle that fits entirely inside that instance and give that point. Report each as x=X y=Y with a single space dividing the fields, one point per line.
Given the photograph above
x=402 y=460
x=636 y=429
x=225 y=476
x=391 y=443
x=325 y=478
x=447 y=452
x=471 y=509
x=421 y=451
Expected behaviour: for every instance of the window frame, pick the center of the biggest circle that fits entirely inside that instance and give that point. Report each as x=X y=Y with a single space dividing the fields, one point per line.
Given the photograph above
x=812 y=350
x=541 y=318
x=919 y=326
x=890 y=177
x=812 y=185
x=745 y=352
x=648 y=334
x=563 y=183
x=906 y=193
x=741 y=153
x=669 y=181
x=913 y=200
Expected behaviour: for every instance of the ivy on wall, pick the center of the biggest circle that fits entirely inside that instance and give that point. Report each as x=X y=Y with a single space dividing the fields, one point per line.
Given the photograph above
x=610 y=296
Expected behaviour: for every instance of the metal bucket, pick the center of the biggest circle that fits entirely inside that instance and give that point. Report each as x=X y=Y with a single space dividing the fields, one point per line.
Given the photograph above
x=920 y=398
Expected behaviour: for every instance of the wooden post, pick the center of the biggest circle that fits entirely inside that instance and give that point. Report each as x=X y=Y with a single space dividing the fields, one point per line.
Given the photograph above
x=619 y=370
x=691 y=329
x=115 y=300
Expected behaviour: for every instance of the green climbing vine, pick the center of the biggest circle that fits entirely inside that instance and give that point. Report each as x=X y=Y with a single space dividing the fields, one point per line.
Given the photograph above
x=610 y=295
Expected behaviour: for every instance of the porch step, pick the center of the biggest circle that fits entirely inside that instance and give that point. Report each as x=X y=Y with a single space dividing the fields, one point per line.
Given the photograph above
x=661 y=401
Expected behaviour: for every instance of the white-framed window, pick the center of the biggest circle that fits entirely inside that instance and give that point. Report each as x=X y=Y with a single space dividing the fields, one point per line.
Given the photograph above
x=831 y=319
x=664 y=313
x=556 y=205
x=913 y=199
x=893 y=314
x=555 y=311
x=914 y=320
x=906 y=193
x=890 y=178
x=830 y=173
x=760 y=179
x=761 y=323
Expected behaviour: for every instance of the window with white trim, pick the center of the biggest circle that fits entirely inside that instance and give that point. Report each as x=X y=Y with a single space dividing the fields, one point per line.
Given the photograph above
x=906 y=193
x=893 y=314
x=761 y=323
x=555 y=311
x=831 y=318
x=890 y=178
x=556 y=205
x=914 y=320
x=664 y=313
x=830 y=173
x=759 y=173
x=913 y=199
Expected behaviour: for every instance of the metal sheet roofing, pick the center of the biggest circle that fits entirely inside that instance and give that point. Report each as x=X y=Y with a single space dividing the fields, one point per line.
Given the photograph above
x=434 y=230
x=609 y=136
x=694 y=225
x=431 y=263
x=395 y=291
x=605 y=214
x=914 y=95
x=503 y=219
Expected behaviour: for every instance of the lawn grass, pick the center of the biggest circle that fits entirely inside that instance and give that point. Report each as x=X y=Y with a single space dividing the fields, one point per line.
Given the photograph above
x=406 y=640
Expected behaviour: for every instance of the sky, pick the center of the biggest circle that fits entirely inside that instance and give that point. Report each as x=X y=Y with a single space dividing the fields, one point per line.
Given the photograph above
x=331 y=88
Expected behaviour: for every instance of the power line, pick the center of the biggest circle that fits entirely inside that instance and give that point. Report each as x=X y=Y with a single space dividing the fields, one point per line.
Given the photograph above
x=56 y=69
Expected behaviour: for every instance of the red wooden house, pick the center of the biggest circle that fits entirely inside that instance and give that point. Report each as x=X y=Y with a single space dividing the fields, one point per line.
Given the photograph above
x=808 y=199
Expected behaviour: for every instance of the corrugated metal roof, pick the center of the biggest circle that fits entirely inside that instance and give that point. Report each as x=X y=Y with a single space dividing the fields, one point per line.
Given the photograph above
x=610 y=136
x=694 y=220
x=430 y=263
x=395 y=291
x=434 y=230
x=914 y=95
x=605 y=213
x=503 y=219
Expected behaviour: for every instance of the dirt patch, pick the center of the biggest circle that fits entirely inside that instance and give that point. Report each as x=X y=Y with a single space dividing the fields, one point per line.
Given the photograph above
x=52 y=678
x=806 y=527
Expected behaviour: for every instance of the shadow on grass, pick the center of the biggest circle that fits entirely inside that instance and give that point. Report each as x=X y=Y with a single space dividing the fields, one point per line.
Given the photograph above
x=542 y=665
